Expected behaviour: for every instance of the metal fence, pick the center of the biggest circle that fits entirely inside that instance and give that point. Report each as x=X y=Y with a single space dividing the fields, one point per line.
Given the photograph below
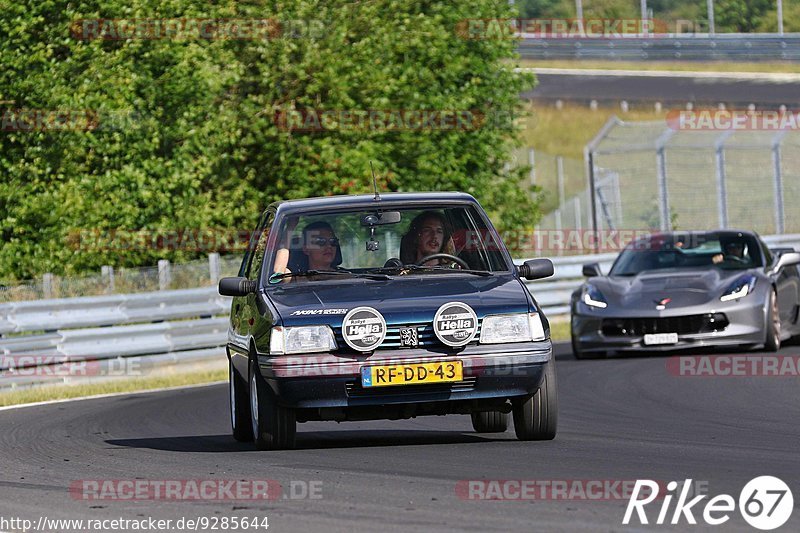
x=697 y=47
x=165 y=276
x=647 y=175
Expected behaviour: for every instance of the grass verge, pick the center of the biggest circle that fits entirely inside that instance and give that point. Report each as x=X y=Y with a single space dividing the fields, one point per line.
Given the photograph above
x=567 y=130
x=61 y=392
x=559 y=329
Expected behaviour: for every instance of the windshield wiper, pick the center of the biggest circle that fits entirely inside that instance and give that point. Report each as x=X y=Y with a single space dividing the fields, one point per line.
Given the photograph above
x=418 y=268
x=275 y=278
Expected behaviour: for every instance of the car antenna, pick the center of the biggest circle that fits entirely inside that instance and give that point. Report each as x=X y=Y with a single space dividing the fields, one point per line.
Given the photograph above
x=377 y=197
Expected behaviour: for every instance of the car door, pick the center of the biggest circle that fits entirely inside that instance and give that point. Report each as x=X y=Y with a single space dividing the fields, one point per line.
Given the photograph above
x=788 y=286
x=242 y=307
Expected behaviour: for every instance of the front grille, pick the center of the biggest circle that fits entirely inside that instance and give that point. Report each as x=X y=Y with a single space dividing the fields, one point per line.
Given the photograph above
x=682 y=325
x=355 y=390
x=425 y=333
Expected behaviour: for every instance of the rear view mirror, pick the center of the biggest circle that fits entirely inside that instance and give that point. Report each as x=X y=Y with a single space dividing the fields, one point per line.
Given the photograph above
x=381 y=218
x=536 y=269
x=592 y=270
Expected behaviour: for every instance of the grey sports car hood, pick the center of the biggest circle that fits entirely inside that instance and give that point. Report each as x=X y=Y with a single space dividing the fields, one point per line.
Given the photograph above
x=683 y=287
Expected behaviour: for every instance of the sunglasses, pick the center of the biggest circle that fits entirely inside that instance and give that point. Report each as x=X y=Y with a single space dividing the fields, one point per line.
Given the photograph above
x=322 y=241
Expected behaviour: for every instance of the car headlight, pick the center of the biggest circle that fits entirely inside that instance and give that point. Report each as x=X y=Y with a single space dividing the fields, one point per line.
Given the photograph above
x=593 y=297
x=741 y=287
x=301 y=339
x=512 y=328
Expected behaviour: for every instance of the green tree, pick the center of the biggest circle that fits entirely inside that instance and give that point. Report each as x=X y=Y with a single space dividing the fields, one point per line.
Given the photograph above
x=187 y=136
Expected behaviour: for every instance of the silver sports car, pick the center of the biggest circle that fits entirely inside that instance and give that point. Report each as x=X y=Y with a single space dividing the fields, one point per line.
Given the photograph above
x=672 y=291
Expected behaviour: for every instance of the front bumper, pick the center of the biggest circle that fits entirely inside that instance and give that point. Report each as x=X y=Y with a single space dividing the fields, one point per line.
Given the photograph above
x=746 y=326
x=334 y=381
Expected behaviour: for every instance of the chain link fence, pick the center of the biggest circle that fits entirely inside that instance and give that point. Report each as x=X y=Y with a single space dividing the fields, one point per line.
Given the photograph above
x=652 y=176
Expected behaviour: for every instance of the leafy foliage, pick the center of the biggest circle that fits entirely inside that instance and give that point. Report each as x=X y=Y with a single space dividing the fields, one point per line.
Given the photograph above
x=187 y=136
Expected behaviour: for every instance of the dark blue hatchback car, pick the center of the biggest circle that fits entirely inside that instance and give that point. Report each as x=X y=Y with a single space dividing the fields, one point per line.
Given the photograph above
x=385 y=307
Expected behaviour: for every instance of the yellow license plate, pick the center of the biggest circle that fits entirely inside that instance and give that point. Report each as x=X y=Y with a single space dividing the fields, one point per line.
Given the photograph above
x=410 y=374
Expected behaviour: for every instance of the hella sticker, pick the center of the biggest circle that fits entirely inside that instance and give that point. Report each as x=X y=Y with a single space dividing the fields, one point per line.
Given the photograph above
x=455 y=324
x=363 y=329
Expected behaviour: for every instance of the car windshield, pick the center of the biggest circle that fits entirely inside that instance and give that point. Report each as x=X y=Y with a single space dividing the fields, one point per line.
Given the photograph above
x=369 y=243
x=727 y=251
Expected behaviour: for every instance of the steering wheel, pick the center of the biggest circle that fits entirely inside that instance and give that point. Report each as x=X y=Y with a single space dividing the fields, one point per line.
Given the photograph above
x=457 y=260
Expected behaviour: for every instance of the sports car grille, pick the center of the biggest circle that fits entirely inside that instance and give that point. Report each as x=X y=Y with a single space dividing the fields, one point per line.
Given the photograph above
x=682 y=325
x=426 y=336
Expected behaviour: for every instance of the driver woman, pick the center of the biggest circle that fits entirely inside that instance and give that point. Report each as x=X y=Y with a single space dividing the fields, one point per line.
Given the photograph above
x=428 y=234
x=320 y=251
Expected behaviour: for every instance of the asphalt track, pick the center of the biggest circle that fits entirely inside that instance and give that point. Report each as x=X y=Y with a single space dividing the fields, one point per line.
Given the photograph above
x=669 y=90
x=620 y=419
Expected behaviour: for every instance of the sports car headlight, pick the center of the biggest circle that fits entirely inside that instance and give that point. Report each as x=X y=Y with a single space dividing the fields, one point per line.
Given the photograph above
x=739 y=288
x=512 y=328
x=301 y=339
x=593 y=297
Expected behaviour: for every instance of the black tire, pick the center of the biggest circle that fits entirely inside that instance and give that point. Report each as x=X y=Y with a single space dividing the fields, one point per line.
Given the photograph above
x=536 y=416
x=490 y=422
x=240 y=406
x=773 y=325
x=273 y=426
x=577 y=350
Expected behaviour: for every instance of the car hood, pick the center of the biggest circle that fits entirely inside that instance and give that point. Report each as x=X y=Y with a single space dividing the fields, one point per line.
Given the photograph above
x=410 y=299
x=683 y=287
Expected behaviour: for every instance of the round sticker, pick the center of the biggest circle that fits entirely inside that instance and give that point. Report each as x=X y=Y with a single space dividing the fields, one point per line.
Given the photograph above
x=363 y=329
x=455 y=324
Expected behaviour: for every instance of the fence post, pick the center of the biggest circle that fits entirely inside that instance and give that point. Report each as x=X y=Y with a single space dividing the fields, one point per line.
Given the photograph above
x=560 y=178
x=213 y=267
x=532 y=163
x=107 y=272
x=776 y=169
x=722 y=193
x=164 y=275
x=47 y=285
x=663 y=195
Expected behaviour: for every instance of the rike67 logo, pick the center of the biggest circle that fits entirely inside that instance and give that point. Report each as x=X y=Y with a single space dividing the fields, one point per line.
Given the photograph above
x=765 y=503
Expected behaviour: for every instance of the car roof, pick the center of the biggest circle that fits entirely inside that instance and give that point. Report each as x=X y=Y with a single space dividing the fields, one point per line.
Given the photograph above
x=367 y=201
x=722 y=233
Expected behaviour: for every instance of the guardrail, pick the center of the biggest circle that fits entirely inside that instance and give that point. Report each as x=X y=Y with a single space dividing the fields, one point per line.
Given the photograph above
x=175 y=327
x=701 y=47
x=155 y=328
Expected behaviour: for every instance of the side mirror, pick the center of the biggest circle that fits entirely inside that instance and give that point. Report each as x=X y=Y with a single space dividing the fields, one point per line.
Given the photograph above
x=786 y=259
x=536 y=269
x=592 y=270
x=237 y=286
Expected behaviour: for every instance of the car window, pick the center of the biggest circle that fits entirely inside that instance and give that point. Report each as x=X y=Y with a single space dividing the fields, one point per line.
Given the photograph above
x=456 y=237
x=726 y=251
x=260 y=248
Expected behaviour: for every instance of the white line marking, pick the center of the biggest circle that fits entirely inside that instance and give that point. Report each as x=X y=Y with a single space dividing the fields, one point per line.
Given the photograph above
x=110 y=395
x=775 y=77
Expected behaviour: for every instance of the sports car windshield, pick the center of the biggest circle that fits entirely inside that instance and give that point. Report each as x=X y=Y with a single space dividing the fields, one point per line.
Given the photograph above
x=436 y=240
x=695 y=251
